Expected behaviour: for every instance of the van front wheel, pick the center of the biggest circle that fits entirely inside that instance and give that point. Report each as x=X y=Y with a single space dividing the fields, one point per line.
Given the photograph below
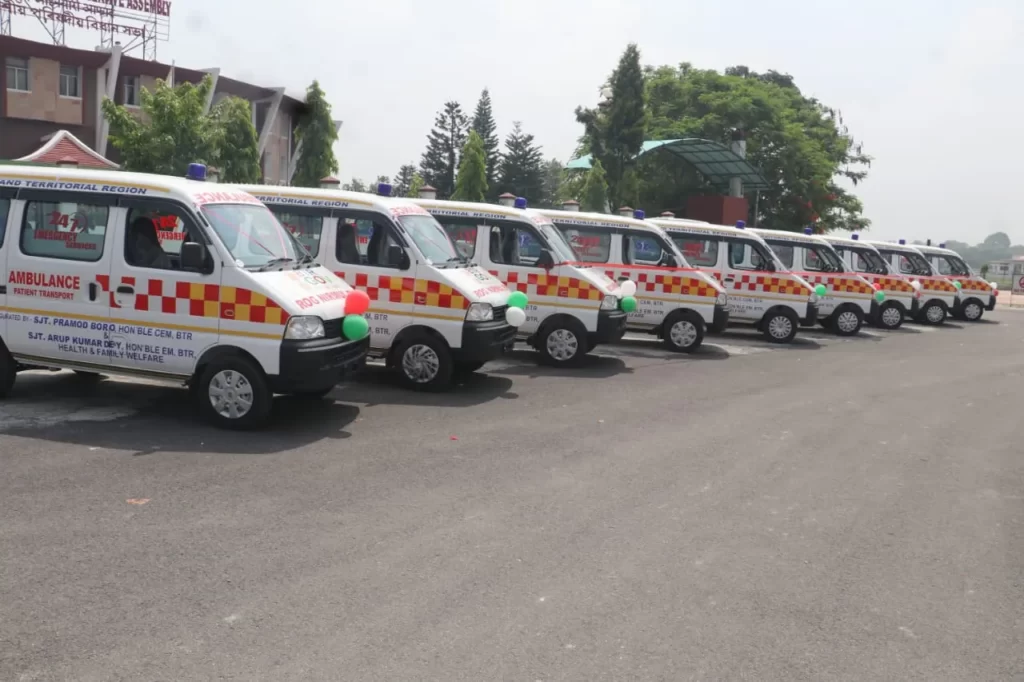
x=779 y=326
x=425 y=363
x=683 y=331
x=847 y=321
x=563 y=343
x=232 y=393
x=890 y=316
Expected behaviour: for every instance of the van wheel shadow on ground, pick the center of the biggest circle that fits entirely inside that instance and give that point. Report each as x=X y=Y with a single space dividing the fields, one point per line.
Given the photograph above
x=653 y=349
x=800 y=342
x=376 y=385
x=523 y=362
x=147 y=418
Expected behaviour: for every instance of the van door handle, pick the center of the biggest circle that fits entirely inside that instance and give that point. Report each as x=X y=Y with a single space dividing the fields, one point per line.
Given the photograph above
x=125 y=290
x=93 y=291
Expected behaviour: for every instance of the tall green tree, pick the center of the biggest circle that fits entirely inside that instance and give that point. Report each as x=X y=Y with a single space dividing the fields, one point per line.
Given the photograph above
x=173 y=132
x=484 y=125
x=404 y=180
x=238 y=154
x=801 y=146
x=616 y=129
x=553 y=184
x=595 y=190
x=317 y=134
x=355 y=185
x=471 y=185
x=415 y=185
x=444 y=144
x=521 y=170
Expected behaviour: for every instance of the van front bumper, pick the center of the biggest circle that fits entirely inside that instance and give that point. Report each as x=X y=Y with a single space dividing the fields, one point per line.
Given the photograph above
x=611 y=326
x=483 y=341
x=812 y=316
x=720 y=320
x=317 y=363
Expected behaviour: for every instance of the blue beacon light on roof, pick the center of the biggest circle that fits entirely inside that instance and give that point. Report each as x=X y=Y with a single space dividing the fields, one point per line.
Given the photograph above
x=740 y=224
x=196 y=171
x=639 y=214
x=520 y=202
x=383 y=189
x=808 y=230
x=903 y=242
x=854 y=236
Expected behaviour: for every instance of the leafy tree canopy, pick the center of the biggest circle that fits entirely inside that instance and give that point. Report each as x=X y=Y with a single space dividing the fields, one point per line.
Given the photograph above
x=317 y=134
x=471 y=184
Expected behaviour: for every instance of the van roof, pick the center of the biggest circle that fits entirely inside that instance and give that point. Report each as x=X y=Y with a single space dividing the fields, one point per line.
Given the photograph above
x=846 y=241
x=693 y=226
x=936 y=251
x=325 y=198
x=122 y=183
x=893 y=246
x=481 y=210
x=597 y=220
x=784 y=235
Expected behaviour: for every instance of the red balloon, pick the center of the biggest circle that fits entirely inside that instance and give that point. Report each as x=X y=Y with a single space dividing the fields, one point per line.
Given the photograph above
x=877 y=286
x=357 y=302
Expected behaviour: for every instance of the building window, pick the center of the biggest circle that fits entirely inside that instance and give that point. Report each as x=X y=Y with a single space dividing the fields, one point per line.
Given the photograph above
x=131 y=91
x=17 y=74
x=70 y=83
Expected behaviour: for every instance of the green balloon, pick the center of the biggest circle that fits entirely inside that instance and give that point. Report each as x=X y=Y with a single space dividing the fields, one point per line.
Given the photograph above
x=628 y=304
x=355 y=327
x=517 y=299
x=879 y=296
x=957 y=284
x=820 y=290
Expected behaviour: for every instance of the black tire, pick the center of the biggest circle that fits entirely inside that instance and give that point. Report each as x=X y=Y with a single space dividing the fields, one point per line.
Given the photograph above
x=560 y=337
x=890 y=316
x=933 y=313
x=225 y=371
x=683 y=331
x=780 y=325
x=972 y=310
x=8 y=372
x=424 y=363
x=846 y=320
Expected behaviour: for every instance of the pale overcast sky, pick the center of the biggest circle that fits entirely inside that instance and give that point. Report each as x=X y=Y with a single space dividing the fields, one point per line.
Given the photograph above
x=931 y=87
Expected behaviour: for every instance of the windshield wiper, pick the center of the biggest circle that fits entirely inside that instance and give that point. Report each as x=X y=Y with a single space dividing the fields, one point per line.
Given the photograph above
x=276 y=261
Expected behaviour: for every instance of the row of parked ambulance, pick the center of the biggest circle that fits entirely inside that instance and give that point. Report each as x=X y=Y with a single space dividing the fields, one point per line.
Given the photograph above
x=243 y=292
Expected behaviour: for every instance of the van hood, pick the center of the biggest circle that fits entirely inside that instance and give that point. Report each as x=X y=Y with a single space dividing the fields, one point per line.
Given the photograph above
x=606 y=284
x=476 y=284
x=311 y=291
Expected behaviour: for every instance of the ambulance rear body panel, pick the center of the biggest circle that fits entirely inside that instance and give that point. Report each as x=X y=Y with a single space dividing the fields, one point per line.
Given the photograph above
x=740 y=260
x=627 y=248
x=912 y=264
x=508 y=242
x=864 y=259
x=358 y=237
x=81 y=295
x=951 y=265
x=816 y=261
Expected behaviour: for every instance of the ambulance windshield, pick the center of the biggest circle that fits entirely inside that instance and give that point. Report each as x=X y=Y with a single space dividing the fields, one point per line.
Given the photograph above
x=430 y=238
x=252 y=234
x=556 y=241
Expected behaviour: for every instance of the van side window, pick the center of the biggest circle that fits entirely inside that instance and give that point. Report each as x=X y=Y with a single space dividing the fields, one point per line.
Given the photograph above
x=66 y=230
x=154 y=236
x=5 y=211
x=365 y=241
x=784 y=252
x=744 y=256
x=591 y=246
x=462 y=235
x=514 y=245
x=643 y=250
x=700 y=252
x=307 y=229
x=906 y=267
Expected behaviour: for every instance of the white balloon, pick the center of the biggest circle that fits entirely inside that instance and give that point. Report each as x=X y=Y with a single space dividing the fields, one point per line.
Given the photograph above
x=994 y=285
x=917 y=285
x=515 y=316
x=628 y=287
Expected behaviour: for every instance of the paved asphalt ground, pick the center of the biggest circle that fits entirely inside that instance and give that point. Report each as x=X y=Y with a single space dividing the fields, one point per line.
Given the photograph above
x=837 y=510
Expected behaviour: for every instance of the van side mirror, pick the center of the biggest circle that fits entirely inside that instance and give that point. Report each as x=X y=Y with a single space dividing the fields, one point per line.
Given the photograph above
x=193 y=257
x=545 y=260
x=397 y=257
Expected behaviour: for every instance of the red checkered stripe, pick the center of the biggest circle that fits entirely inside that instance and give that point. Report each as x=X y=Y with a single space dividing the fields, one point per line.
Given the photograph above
x=770 y=284
x=972 y=284
x=654 y=283
x=388 y=289
x=895 y=284
x=534 y=284
x=937 y=284
x=197 y=300
x=839 y=283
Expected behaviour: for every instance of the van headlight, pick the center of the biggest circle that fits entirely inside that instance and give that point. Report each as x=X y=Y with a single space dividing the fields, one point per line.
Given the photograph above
x=609 y=302
x=480 y=312
x=722 y=300
x=304 y=327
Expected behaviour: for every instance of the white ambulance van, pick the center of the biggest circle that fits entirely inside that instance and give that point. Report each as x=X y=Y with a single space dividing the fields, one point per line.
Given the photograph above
x=844 y=297
x=900 y=297
x=675 y=302
x=939 y=296
x=432 y=314
x=976 y=295
x=572 y=309
x=171 y=279
x=761 y=291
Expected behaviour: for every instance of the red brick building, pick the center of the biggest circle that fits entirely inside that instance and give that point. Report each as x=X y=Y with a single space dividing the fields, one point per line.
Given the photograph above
x=46 y=88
